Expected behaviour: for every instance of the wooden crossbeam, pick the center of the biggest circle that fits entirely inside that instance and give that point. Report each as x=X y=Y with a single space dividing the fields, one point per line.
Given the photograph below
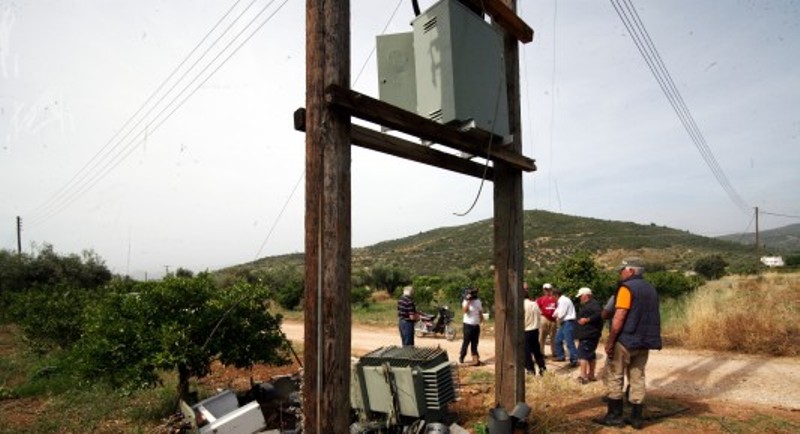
x=377 y=141
x=505 y=18
x=474 y=142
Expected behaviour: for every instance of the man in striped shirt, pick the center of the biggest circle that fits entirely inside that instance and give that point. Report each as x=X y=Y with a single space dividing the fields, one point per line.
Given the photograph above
x=407 y=315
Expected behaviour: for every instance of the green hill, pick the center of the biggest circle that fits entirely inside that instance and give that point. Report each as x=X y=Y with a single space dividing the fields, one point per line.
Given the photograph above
x=780 y=240
x=549 y=238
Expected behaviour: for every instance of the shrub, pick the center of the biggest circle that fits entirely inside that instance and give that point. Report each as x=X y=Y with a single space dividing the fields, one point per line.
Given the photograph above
x=286 y=283
x=390 y=277
x=711 y=267
x=178 y=323
x=793 y=260
x=52 y=316
x=360 y=296
x=671 y=284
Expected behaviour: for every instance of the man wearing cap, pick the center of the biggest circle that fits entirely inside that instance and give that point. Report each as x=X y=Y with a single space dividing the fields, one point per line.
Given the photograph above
x=565 y=316
x=635 y=330
x=547 y=305
x=587 y=332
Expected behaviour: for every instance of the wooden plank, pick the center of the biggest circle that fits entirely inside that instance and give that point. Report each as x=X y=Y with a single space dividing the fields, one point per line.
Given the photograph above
x=505 y=18
x=509 y=251
x=474 y=142
x=326 y=382
x=377 y=141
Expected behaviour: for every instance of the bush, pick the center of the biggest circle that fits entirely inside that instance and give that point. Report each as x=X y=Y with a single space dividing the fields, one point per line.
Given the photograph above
x=581 y=270
x=389 y=277
x=178 y=323
x=671 y=284
x=711 y=267
x=52 y=316
x=360 y=296
x=793 y=260
x=286 y=283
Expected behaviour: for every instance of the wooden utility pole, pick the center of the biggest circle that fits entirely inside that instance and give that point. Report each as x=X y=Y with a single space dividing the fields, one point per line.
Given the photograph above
x=326 y=378
x=19 y=235
x=757 y=228
x=326 y=121
x=508 y=248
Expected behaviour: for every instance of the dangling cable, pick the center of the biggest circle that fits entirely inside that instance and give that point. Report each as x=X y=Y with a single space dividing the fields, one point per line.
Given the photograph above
x=488 y=151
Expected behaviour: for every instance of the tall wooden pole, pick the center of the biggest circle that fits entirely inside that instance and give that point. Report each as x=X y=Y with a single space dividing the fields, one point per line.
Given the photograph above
x=757 y=240
x=508 y=249
x=326 y=382
x=19 y=235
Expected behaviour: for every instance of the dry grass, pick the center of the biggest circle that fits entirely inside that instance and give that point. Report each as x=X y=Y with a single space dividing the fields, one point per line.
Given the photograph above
x=752 y=314
x=381 y=296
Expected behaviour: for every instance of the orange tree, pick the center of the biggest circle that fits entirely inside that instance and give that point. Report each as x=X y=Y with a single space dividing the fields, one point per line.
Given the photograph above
x=180 y=323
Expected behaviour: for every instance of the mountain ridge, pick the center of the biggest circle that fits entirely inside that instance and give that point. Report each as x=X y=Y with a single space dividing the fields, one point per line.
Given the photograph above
x=549 y=238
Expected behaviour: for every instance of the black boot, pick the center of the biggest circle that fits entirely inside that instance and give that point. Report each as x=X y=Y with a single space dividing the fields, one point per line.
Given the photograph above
x=614 y=415
x=636 y=420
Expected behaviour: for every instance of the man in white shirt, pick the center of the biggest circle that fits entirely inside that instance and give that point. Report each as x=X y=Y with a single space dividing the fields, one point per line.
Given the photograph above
x=565 y=315
x=533 y=320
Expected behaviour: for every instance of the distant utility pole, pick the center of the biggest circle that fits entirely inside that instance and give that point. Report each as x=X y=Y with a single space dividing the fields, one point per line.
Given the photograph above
x=756 y=228
x=19 y=235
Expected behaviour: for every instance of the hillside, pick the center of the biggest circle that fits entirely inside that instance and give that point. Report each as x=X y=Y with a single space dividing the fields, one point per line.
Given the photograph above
x=779 y=240
x=549 y=238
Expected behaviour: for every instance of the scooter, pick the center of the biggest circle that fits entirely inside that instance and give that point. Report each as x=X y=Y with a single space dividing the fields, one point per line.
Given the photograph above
x=441 y=323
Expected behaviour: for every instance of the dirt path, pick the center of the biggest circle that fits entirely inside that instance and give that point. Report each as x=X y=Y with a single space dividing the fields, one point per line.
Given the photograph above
x=696 y=374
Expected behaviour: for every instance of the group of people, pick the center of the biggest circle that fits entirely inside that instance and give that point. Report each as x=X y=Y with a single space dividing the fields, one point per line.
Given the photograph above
x=635 y=329
x=554 y=316
x=472 y=307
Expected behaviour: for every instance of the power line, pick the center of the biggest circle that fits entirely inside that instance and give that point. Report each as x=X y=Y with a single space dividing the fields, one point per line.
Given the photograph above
x=133 y=144
x=280 y=214
x=779 y=215
x=641 y=38
x=369 y=56
x=54 y=199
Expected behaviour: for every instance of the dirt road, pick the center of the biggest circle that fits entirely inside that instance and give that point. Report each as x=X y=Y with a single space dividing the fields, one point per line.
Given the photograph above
x=696 y=374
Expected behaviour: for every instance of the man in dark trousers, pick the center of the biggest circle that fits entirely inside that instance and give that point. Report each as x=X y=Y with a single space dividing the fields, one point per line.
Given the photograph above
x=635 y=330
x=587 y=332
x=533 y=320
x=406 y=316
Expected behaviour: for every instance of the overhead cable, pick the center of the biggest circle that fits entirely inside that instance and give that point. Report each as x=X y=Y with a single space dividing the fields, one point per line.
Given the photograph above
x=46 y=207
x=633 y=23
x=133 y=143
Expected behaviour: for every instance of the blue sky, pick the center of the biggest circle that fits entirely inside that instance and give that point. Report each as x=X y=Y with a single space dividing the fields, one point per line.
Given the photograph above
x=212 y=185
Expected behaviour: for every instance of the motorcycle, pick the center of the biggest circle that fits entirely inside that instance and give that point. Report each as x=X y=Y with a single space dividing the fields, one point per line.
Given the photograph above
x=441 y=323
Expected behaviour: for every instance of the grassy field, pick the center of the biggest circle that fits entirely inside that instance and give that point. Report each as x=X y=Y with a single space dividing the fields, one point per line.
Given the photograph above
x=38 y=396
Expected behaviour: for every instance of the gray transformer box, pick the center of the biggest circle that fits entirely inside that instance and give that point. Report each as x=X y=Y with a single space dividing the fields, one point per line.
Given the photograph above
x=459 y=69
x=396 y=72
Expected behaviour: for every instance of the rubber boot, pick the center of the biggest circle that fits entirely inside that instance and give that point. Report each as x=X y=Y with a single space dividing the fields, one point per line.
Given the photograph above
x=614 y=415
x=636 y=420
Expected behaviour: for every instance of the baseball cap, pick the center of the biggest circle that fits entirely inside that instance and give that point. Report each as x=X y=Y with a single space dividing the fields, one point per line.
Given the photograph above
x=584 y=291
x=547 y=286
x=631 y=263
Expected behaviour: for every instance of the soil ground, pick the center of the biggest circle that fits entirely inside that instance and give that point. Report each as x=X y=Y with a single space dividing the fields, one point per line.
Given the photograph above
x=688 y=391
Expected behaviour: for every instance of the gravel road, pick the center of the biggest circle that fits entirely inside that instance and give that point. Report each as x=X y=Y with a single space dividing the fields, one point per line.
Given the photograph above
x=698 y=374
